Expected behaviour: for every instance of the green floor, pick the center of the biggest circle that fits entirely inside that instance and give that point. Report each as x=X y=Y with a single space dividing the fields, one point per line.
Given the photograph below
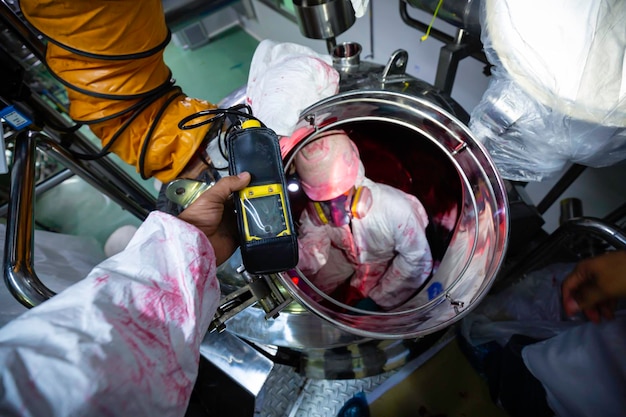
x=214 y=70
x=210 y=72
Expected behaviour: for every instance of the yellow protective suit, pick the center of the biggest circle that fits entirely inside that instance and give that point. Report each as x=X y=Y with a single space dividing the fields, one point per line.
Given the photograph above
x=109 y=55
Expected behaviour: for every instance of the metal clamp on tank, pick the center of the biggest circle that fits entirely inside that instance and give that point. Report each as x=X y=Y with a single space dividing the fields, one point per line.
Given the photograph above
x=261 y=289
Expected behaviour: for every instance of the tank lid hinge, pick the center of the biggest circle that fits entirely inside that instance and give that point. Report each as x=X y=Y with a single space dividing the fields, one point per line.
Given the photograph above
x=261 y=289
x=457 y=304
x=396 y=64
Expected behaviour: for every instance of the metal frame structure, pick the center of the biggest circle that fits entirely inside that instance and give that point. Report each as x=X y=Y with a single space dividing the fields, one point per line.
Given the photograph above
x=103 y=174
x=462 y=45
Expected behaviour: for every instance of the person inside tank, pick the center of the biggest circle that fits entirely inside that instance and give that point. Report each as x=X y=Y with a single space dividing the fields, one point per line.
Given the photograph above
x=361 y=242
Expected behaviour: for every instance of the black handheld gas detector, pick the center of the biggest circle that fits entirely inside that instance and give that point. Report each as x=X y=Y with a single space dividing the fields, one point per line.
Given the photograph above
x=268 y=240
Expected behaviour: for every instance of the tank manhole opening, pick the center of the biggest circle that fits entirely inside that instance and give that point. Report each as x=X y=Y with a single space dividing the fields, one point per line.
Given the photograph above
x=373 y=238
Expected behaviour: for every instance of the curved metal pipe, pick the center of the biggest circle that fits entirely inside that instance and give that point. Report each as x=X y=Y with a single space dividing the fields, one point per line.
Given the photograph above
x=19 y=272
x=598 y=228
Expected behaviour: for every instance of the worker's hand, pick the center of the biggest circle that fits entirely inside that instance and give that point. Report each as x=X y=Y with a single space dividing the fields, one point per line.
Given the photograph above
x=595 y=285
x=213 y=214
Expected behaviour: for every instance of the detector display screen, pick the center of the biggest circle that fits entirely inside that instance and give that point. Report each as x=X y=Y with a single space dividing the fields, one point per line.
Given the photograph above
x=264 y=212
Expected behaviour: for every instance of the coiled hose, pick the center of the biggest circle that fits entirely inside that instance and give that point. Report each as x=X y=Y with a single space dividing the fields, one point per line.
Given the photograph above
x=109 y=56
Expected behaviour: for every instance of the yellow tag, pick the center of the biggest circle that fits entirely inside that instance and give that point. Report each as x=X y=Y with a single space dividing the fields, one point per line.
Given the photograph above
x=432 y=21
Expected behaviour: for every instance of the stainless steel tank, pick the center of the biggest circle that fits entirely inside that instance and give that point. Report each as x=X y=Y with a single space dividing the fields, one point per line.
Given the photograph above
x=365 y=75
x=411 y=137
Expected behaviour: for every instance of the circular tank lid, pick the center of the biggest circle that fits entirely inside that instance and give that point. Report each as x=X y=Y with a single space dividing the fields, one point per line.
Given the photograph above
x=425 y=146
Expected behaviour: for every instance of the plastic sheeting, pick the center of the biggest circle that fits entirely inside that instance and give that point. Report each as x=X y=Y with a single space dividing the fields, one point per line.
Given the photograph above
x=286 y=78
x=558 y=88
x=583 y=370
x=531 y=308
x=60 y=260
x=360 y=7
x=76 y=208
x=580 y=364
x=124 y=341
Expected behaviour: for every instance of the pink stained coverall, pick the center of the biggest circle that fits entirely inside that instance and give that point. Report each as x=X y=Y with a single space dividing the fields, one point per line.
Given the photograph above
x=386 y=252
x=125 y=340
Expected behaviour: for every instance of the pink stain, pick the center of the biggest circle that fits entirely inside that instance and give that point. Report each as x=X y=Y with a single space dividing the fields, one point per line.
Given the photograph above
x=156 y=322
x=200 y=268
x=410 y=233
x=161 y=240
x=155 y=363
x=34 y=395
x=316 y=150
x=166 y=302
x=101 y=280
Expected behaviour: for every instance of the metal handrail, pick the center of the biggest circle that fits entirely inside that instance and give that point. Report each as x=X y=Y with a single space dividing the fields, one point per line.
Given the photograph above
x=19 y=271
x=585 y=226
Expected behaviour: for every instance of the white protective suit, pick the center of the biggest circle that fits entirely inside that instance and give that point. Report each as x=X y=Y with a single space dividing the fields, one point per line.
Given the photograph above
x=286 y=78
x=387 y=249
x=125 y=340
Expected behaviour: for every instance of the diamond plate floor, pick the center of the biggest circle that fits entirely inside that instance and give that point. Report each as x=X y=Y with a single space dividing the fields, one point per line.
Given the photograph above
x=324 y=398
x=281 y=390
x=288 y=394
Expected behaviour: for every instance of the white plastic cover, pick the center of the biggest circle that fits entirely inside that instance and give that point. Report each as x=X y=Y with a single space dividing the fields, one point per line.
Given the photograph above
x=360 y=7
x=583 y=369
x=286 y=78
x=558 y=89
x=580 y=364
x=124 y=341
x=60 y=260
x=531 y=307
